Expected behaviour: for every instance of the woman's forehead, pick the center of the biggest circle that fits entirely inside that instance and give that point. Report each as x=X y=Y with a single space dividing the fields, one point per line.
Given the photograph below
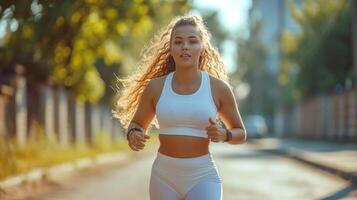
x=185 y=31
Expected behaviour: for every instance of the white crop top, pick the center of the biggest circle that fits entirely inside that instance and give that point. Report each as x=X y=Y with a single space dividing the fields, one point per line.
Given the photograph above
x=185 y=114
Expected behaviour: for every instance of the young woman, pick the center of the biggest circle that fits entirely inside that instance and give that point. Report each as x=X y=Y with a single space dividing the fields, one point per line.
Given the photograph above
x=181 y=80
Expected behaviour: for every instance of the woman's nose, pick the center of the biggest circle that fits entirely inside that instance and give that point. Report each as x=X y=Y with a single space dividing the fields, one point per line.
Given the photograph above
x=184 y=45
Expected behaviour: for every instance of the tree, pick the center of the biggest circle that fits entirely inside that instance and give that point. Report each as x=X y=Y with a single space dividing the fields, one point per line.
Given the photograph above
x=80 y=44
x=253 y=71
x=252 y=55
x=320 y=57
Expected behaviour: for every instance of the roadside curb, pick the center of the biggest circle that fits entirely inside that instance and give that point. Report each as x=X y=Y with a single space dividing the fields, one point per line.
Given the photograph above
x=336 y=171
x=299 y=156
x=38 y=174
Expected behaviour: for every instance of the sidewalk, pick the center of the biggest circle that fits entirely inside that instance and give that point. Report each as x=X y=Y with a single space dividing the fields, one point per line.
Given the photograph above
x=64 y=169
x=337 y=158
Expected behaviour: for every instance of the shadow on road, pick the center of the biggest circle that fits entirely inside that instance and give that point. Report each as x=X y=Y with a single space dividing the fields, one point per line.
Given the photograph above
x=246 y=155
x=343 y=193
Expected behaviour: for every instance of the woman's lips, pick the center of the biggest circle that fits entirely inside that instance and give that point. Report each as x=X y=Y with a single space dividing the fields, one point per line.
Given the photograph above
x=185 y=55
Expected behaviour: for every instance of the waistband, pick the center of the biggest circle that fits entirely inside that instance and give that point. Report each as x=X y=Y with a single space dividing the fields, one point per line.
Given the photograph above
x=184 y=164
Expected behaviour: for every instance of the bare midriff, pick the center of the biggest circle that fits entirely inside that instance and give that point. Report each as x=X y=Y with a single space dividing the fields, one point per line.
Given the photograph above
x=180 y=146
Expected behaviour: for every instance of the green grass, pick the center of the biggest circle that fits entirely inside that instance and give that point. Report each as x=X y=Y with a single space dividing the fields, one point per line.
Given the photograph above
x=44 y=152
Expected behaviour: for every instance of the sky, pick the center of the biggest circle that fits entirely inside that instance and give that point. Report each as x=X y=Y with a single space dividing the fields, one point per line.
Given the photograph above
x=234 y=15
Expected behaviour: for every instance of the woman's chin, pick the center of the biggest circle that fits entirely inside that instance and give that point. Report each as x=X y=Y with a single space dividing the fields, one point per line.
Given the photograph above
x=187 y=65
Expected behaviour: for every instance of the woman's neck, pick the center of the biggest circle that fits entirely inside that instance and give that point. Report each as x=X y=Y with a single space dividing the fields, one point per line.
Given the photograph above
x=187 y=76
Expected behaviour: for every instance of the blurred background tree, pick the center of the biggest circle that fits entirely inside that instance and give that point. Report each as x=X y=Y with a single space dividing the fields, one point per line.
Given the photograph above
x=262 y=86
x=80 y=44
x=218 y=32
x=315 y=60
x=319 y=59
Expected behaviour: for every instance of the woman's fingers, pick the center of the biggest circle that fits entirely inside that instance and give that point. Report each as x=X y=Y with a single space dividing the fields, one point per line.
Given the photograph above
x=214 y=135
x=214 y=139
x=137 y=141
x=134 y=137
x=139 y=145
x=140 y=139
x=136 y=147
x=133 y=147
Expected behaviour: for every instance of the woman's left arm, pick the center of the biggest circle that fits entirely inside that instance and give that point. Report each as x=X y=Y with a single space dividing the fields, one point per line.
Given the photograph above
x=229 y=113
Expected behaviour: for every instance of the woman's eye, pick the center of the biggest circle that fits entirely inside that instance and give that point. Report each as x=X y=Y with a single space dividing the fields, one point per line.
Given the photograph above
x=193 y=41
x=177 y=42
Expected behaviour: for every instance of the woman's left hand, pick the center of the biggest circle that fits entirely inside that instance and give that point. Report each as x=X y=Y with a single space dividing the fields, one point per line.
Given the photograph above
x=215 y=133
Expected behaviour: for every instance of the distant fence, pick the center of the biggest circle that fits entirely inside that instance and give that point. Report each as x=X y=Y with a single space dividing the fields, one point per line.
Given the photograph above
x=34 y=107
x=332 y=117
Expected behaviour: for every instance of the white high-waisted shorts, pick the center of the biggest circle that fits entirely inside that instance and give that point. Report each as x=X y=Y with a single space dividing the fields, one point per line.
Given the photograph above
x=185 y=178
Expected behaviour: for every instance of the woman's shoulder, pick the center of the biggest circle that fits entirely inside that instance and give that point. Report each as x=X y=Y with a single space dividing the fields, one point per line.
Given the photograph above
x=218 y=84
x=156 y=84
x=158 y=81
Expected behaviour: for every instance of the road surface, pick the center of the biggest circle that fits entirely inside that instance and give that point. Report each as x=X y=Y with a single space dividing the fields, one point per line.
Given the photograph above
x=246 y=174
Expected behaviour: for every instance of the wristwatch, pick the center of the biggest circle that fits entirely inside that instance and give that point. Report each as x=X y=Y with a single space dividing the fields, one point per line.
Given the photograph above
x=229 y=135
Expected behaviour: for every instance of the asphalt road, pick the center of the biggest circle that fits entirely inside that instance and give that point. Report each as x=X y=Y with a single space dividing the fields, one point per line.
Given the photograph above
x=246 y=174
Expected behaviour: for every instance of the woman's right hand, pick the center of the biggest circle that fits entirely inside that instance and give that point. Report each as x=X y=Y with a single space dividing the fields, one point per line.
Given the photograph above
x=137 y=140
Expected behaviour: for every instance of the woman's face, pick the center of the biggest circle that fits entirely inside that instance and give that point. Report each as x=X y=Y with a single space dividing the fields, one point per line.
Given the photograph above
x=186 y=46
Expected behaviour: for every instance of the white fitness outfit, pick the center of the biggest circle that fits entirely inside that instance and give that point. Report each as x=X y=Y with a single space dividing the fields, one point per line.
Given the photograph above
x=185 y=178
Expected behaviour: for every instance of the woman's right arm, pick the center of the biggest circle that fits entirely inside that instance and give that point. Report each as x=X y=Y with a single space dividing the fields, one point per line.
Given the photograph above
x=142 y=118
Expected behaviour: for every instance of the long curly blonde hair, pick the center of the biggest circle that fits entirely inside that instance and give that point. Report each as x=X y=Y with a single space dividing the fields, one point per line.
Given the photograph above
x=156 y=61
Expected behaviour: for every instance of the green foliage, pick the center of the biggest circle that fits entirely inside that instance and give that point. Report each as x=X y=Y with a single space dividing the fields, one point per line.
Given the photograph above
x=92 y=87
x=63 y=41
x=320 y=57
x=45 y=150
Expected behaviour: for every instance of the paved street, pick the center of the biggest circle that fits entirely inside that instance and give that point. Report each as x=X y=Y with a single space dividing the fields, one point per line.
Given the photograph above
x=246 y=174
x=249 y=174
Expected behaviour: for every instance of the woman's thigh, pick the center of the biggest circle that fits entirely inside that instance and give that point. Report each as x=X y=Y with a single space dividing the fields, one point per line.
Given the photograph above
x=207 y=190
x=159 y=190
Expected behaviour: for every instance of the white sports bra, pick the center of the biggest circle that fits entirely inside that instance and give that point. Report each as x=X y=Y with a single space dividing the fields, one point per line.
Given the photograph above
x=185 y=114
